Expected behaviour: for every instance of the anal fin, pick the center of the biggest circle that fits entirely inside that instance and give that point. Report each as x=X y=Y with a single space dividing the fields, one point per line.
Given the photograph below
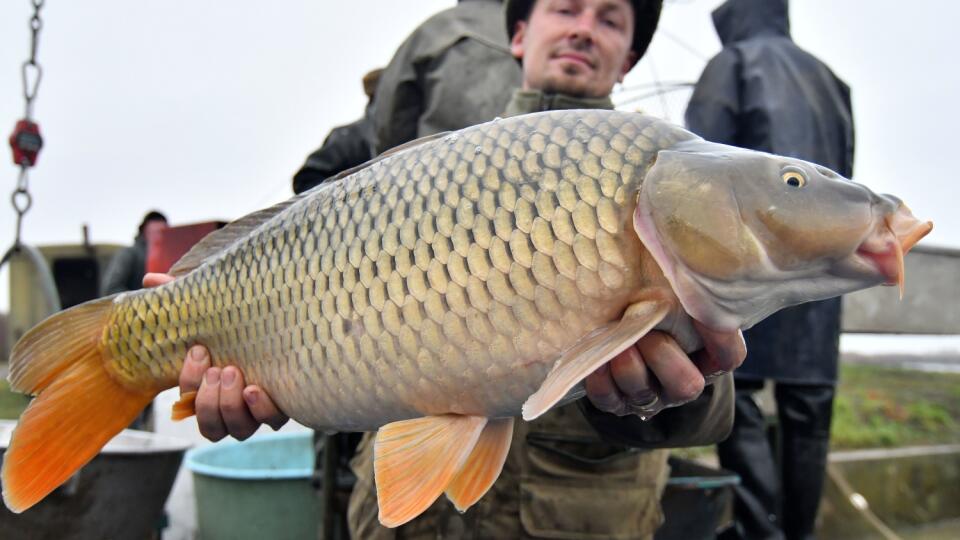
x=593 y=351
x=185 y=407
x=484 y=465
x=415 y=460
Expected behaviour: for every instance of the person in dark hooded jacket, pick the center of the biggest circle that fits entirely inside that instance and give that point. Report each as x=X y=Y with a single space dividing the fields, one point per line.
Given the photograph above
x=764 y=92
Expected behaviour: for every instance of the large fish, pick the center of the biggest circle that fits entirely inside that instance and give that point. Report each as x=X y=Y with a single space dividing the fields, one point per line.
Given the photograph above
x=441 y=290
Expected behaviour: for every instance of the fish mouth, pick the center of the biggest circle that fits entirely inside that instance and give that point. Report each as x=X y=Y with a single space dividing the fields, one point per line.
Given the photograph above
x=886 y=247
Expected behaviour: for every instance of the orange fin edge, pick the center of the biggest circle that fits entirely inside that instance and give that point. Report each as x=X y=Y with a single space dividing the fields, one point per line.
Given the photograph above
x=64 y=428
x=415 y=460
x=185 y=407
x=79 y=404
x=483 y=466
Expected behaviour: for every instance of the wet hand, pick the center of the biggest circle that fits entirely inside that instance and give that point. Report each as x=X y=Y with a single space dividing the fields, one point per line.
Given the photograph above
x=656 y=374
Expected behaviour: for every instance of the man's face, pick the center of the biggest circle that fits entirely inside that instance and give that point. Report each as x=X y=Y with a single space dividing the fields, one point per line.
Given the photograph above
x=575 y=47
x=152 y=229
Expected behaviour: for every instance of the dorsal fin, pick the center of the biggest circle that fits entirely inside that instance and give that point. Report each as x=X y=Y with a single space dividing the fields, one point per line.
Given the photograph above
x=387 y=153
x=223 y=238
x=408 y=145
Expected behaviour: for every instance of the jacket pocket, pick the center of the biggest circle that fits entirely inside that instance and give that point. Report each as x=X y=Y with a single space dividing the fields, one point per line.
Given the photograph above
x=587 y=512
x=571 y=456
x=579 y=487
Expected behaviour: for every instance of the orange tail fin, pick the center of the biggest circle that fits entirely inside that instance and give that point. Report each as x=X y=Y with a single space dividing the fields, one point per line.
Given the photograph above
x=78 y=408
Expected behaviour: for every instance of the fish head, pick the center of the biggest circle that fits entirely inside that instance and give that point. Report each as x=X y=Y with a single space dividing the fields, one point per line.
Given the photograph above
x=741 y=234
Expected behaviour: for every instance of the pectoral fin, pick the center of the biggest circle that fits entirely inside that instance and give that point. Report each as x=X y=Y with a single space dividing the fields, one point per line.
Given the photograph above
x=592 y=352
x=483 y=466
x=415 y=461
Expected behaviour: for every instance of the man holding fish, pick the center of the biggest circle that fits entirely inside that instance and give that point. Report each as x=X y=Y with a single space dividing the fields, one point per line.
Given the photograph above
x=572 y=52
x=459 y=282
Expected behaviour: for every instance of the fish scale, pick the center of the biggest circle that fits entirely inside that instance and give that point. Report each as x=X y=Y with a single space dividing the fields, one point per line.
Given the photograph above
x=474 y=257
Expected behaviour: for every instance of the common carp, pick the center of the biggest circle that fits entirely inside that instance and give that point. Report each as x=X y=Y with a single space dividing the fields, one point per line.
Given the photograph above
x=443 y=289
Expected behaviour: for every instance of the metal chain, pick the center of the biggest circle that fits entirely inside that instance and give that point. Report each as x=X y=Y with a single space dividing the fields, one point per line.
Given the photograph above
x=21 y=201
x=31 y=73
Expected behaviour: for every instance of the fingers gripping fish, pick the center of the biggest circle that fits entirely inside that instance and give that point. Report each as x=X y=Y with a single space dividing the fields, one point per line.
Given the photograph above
x=441 y=290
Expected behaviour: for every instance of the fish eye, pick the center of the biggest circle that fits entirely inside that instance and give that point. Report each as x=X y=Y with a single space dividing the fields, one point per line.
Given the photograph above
x=794 y=178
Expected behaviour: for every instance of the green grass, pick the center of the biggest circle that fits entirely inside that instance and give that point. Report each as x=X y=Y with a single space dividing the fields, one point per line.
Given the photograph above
x=11 y=403
x=882 y=407
x=889 y=407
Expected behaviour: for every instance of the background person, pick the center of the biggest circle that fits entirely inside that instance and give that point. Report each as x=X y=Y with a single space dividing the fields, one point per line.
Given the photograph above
x=127 y=267
x=763 y=92
x=345 y=147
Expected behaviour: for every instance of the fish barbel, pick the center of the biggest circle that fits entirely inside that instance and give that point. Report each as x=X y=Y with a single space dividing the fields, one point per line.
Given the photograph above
x=444 y=288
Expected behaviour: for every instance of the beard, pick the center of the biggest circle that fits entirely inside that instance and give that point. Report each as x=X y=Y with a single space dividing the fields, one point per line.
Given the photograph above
x=567 y=83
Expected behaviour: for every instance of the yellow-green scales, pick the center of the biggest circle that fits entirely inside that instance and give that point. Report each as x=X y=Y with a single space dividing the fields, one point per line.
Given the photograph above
x=446 y=277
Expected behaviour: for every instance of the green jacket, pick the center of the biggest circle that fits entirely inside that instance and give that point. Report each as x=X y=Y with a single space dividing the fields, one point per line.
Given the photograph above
x=455 y=70
x=575 y=472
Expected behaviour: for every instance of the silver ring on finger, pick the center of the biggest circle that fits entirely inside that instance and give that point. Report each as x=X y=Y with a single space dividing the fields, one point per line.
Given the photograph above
x=650 y=406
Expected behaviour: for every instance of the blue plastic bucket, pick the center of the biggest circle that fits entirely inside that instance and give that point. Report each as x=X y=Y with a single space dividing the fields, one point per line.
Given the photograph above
x=260 y=488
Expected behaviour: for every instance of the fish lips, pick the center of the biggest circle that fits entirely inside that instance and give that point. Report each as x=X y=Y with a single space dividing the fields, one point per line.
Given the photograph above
x=882 y=251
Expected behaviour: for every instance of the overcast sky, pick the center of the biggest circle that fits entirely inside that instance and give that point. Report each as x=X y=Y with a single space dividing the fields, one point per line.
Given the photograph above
x=204 y=110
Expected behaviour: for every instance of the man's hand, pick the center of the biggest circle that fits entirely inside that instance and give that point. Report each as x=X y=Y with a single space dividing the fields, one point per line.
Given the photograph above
x=655 y=373
x=224 y=405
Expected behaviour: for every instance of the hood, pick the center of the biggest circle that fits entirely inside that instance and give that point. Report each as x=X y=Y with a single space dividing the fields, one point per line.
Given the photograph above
x=737 y=20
